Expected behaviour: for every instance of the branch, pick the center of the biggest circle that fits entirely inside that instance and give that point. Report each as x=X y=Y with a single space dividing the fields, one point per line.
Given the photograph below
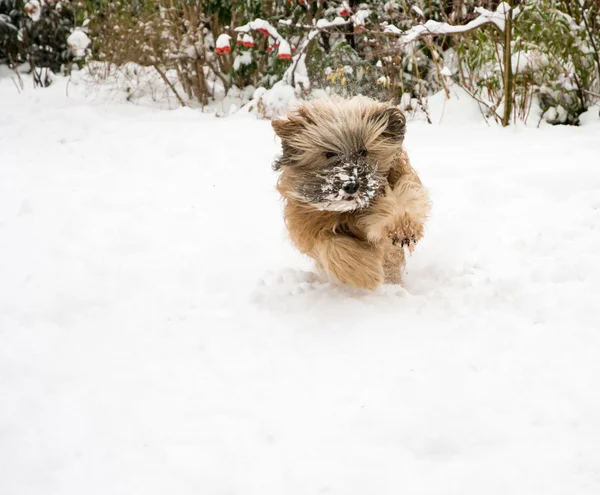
x=170 y=84
x=435 y=28
x=491 y=108
x=595 y=95
x=321 y=25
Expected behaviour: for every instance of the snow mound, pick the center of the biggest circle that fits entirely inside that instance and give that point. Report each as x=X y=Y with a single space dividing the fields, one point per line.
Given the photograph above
x=78 y=42
x=460 y=109
x=274 y=102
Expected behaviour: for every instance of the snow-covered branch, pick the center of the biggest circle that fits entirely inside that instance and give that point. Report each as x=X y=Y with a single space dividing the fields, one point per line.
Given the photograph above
x=320 y=25
x=265 y=27
x=435 y=28
x=297 y=71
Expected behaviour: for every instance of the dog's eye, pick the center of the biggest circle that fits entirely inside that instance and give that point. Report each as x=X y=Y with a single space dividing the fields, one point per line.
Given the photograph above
x=330 y=154
x=363 y=152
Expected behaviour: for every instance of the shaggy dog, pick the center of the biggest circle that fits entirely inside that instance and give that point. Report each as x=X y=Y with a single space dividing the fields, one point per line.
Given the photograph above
x=352 y=200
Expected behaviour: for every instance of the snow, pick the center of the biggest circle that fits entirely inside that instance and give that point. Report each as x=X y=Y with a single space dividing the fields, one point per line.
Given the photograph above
x=262 y=26
x=345 y=7
x=360 y=17
x=223 y=41
x=34 y=10
x=384 y=80
x=390 y=28
x=273 y=102
x=528 y=61
x=459 y=110
x=248 y=40
x=259 y=25
x=498 y=17
x=78 y=42
x=417 y=11
x=284 y=48
x=333 y=197
x=243 y=58
x=325 y=24
x=159 y=334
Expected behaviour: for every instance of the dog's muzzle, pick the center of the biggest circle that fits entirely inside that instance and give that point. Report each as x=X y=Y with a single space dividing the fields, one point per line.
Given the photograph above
x=345 y=186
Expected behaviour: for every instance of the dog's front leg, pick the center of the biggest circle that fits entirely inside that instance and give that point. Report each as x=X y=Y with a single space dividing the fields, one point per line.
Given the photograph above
x=399 y=215
x=350 y=260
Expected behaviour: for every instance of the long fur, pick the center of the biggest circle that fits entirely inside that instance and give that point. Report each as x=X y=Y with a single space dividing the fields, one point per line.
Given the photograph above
x=363 y=247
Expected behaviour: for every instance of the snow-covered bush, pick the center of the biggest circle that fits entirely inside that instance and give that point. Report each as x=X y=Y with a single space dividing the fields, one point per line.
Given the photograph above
x=517 y=59
x=182 y=36
x=37 y=32
x=559 y=45
x=554 y=59
x=388 y=51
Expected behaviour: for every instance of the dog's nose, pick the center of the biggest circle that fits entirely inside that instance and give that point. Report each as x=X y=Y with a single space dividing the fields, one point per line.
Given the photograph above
x=350 y=187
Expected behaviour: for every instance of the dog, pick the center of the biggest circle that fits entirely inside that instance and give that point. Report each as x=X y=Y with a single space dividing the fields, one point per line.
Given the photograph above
x=352 y=201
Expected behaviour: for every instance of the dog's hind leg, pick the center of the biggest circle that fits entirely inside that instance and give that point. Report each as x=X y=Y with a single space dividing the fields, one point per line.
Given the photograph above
x=351 y=261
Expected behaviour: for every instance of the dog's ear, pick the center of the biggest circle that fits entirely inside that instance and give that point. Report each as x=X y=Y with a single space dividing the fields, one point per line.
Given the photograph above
x=396 y=122
x=286 y=129
x=294 y=123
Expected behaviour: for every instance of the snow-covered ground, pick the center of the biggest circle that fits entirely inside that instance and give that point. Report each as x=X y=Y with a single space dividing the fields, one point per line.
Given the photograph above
x=159 y=334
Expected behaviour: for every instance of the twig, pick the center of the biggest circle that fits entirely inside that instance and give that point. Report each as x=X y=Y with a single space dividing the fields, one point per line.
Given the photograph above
x=591 y=93
x=16 y=85
x=170 y=84
x=541 y=118
x=440 y=77
x=16 y=71
x=19 y=78
x=312 y=28
x=480 y=101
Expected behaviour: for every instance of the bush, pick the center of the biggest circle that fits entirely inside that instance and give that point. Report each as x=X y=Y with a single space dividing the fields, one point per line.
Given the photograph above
x=37 y=33
x=206 y=50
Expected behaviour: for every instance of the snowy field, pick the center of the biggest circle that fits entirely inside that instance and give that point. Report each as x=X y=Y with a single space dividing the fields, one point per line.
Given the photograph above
x=159 y=334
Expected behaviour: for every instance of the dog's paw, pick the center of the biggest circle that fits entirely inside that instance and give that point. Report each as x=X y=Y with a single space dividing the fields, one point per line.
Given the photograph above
x=402 y=241
x=405 y=232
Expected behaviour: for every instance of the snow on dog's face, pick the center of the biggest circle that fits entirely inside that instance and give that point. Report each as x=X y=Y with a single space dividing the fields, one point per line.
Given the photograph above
x=337 y=154
x=342 y=184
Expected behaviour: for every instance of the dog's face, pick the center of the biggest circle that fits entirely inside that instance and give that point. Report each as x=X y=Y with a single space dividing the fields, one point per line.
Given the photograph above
x=337 y=154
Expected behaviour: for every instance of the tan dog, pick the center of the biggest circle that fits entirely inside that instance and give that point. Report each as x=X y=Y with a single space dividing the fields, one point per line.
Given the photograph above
x=352 y=200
